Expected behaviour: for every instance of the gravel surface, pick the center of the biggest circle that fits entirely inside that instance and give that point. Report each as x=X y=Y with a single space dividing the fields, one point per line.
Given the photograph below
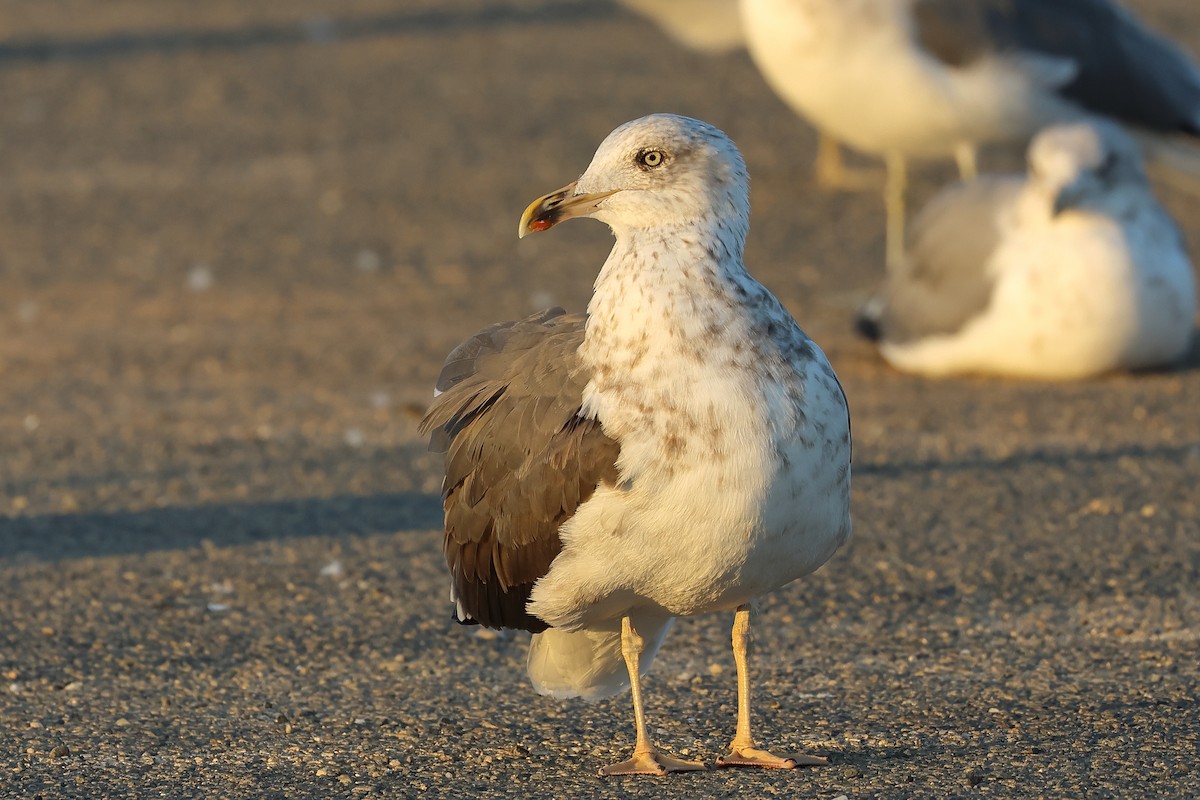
x=236 y=240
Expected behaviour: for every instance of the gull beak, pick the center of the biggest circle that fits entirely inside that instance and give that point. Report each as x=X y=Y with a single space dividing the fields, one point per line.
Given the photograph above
x=549 y=210
x=1070 y=196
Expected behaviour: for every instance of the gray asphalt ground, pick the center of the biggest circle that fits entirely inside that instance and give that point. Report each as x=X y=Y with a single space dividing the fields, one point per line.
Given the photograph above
x=236 y=241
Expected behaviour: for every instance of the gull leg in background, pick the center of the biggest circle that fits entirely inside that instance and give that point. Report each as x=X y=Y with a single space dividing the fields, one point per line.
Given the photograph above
x=966 y=156
x=894 y=191
x=742 y=752
x=646 y=759
x=832 y=171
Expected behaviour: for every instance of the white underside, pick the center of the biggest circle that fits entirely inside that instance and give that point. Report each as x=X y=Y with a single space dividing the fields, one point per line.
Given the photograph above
x=708 y=538
x=853 y=71
x=731 y=486
x=1072 y=300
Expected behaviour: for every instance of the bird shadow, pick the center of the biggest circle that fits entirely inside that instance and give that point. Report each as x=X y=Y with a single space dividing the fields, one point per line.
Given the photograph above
x=314 y=29
x=56 y=537
x=1044 y=457
x=59 y=536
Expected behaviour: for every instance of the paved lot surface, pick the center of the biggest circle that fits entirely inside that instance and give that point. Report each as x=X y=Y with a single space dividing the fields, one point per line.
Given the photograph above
x=236 y=240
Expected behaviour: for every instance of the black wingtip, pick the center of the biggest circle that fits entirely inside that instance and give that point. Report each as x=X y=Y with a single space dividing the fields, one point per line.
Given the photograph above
x=468 y=621
x=867 y=326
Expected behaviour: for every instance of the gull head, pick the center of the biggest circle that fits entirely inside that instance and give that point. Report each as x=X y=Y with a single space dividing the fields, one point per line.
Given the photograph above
x=1079 y=165
x=658 y=171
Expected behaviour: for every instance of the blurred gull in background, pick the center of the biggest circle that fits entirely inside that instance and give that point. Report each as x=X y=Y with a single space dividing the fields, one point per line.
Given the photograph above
x=710 y=26
x=938 y=78
x=1067 y=272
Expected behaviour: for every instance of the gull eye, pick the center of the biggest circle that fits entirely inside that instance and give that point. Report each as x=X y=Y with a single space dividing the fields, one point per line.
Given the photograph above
x=649 y=159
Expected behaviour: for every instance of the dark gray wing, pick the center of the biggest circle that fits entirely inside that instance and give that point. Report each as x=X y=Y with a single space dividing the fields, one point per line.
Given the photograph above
x=944 y=282
x=519 y=459
x=1124 y=70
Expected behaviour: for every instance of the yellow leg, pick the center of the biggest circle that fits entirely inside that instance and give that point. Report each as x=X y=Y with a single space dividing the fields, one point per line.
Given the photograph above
x=832 y=171
x=646 y=759
x=742 y=752
x=965 y=156
x=894 y=192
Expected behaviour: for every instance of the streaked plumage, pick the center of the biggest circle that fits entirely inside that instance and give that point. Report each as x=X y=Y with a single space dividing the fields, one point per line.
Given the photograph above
x=683 y=449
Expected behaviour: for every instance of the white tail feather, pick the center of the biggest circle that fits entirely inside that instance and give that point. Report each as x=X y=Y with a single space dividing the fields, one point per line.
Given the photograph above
x=588 y=663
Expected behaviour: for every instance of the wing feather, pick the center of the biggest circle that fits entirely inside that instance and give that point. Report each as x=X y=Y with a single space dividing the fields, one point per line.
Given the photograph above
x=1122 y=69
x=519 y=459
x=944 y=282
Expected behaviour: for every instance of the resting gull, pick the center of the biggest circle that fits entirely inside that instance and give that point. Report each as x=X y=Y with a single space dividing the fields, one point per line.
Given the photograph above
x=934 y=78
x=682 y=448
x=1068 y=272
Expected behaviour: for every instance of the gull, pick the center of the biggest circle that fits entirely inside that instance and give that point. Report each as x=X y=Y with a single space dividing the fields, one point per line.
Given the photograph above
x=709 y=26
x=681 y=448
x=907 y=79
x=1070 y=271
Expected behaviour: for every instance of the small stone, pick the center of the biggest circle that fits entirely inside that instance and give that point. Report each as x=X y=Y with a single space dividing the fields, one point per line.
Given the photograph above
x=367 y=261
x=61 y=751
x=200 y=278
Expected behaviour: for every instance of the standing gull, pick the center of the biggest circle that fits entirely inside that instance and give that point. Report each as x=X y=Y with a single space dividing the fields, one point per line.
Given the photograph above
x=936 y=78
x=710 y=26
x=1071 y=271
x=682 y=448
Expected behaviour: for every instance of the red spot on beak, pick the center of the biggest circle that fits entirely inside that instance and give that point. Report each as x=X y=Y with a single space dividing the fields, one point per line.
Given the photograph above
x=539 y=225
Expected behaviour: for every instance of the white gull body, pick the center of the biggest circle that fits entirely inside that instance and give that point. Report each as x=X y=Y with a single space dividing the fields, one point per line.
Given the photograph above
x=734 y=431
x=904 y=79
x=930 y=77
x=1071 y=271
